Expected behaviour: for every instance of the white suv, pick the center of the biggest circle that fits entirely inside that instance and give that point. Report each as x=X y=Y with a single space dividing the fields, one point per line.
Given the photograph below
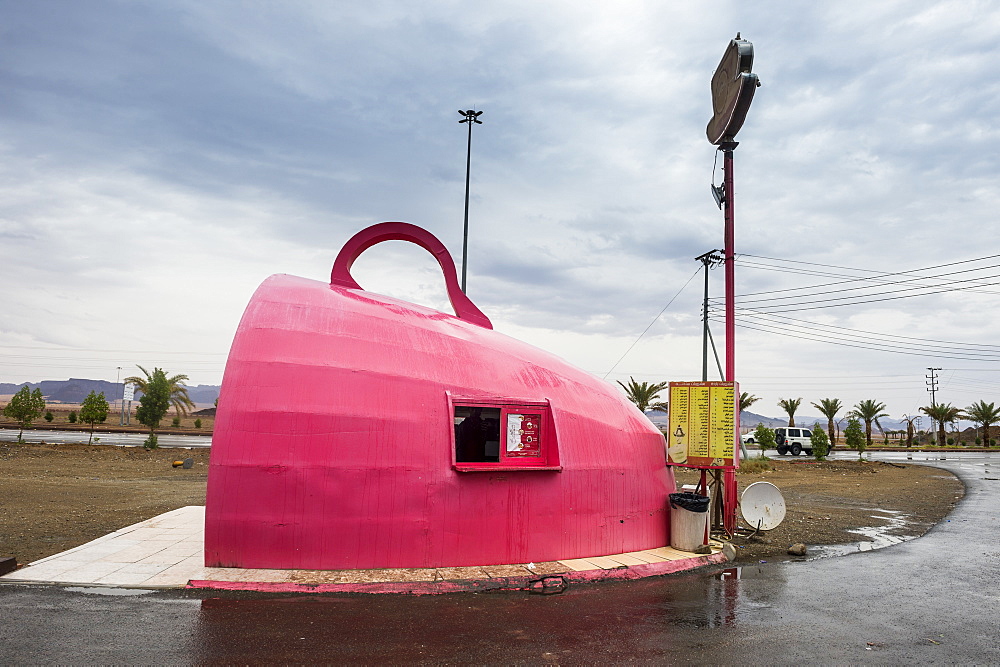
x=793 y=440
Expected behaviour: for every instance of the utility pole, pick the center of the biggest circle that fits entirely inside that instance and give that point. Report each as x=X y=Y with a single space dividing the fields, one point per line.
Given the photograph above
x=471 y=117
x=932 y=383
x=708 y=259
x=121 y=399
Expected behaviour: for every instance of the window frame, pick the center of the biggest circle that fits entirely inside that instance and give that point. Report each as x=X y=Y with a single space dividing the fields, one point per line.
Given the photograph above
x=549 y=449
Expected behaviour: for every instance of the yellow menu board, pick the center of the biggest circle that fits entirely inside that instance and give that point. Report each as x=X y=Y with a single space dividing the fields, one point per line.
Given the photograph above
x=703 y=424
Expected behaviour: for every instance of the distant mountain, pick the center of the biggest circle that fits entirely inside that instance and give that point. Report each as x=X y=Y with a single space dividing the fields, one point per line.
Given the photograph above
x=75 y=390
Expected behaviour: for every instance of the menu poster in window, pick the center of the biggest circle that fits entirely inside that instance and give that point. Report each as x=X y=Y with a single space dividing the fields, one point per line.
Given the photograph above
x=523 y=431
x=703 y=422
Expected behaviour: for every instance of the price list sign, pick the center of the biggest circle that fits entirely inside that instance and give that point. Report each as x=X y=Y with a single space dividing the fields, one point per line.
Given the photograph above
x=703 y=424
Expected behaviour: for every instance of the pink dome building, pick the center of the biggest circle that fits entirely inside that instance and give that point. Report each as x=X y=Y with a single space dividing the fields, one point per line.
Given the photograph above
x=359 y=431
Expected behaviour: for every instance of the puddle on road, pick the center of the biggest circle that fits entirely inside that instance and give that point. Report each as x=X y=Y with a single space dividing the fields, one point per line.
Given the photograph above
x=879 y=537
x=98 y=590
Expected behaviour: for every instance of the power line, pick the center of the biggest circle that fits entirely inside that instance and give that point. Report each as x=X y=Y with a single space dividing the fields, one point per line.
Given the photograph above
x=882 y=283
x=808 y=305
x=663 y=310
x=117 y=351
x=850 y=268
x=871 y=336
x=867 y=345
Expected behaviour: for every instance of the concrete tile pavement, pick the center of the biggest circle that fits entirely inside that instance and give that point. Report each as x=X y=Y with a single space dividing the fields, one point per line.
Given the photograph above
x=167 y=551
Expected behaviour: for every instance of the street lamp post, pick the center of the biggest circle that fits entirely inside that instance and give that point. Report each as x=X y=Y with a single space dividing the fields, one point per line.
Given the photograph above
x=471 y=117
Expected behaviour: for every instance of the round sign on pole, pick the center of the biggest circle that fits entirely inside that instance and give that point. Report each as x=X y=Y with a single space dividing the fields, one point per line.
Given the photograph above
x=733 y=86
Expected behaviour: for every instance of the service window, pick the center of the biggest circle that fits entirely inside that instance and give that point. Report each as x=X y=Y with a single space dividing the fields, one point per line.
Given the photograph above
x=503 y=436
x=477 y=434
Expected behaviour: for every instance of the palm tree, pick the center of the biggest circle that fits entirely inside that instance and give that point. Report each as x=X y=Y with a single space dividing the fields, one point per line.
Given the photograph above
x=910 y=421
x=869 y=411
x=178 y=392
x=746 y=400
x=644 y=394
x=790 y=405
x=829 y=407
x=942 y=413
x=984 y=414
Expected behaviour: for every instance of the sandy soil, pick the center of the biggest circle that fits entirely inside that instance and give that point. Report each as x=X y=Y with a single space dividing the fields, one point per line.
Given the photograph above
x=55 y=497
x=825 y=501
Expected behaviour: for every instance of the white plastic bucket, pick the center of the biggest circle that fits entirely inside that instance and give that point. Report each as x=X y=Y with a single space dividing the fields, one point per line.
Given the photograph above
x=688 y=530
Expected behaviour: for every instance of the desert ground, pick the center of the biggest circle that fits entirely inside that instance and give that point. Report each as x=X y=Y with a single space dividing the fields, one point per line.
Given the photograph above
x=55 y=497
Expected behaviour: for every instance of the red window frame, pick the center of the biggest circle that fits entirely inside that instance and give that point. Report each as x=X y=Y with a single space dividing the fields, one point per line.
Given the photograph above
x=548 y=458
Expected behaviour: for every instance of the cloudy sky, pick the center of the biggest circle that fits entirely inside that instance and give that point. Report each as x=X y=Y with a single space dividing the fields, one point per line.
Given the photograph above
x=161 y=159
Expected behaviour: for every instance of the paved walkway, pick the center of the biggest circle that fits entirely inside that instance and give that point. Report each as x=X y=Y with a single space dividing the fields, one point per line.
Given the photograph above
x=167 y=551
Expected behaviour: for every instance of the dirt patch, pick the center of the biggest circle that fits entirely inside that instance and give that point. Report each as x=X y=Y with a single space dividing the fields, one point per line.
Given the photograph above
x=825 y=501
x=55 y=497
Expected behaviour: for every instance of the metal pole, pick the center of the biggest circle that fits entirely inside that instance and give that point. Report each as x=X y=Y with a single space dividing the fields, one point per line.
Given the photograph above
x=121 y=398
x=731 y=498
x=704 y=332
x=730 y=257
x=932 y=387
x=470 y=116
x=465 y=229
x=707 y=259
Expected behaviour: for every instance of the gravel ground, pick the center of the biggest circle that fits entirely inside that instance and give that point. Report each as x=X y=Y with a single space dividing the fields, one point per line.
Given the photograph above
x=826 y=501
x=55 y=497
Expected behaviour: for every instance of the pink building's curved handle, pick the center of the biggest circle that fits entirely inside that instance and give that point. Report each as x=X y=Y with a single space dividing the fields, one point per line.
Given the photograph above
x=404 y=231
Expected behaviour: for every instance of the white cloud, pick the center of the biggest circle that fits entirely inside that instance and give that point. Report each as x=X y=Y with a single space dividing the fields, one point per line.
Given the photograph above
x=157 y=161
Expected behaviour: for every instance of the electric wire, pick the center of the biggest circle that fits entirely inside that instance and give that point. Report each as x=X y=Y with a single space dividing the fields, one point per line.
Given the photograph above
x=870 y=345
x=942 y=284
x=929 y=345
x=969 y=284
x=663 y=310
x=881 y=282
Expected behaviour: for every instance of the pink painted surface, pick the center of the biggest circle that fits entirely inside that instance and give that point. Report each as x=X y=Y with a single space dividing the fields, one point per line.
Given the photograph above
x=334 y=441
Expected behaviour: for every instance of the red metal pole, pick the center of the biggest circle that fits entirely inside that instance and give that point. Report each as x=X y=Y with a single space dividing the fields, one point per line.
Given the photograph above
x=730 y=495
x=727 y=166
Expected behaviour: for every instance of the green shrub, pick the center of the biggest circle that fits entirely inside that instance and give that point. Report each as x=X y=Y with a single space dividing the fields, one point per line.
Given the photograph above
x=854 y=437
x=72 y=417
x=197 y=423
x=175 y=422
x=993 y=443
x=764 y=438
x=150 y=442
x=979 y=441
x=755 y=465
x=820 y=442
x=49 y=417
x=951 y=442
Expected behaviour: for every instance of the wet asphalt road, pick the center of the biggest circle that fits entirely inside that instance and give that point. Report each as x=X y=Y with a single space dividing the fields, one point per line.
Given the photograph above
x=930 y=600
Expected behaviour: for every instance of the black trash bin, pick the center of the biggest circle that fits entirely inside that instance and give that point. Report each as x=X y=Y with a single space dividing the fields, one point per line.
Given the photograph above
x=688 y=520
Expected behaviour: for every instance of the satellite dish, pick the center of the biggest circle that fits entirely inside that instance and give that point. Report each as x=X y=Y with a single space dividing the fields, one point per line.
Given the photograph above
x=762 y=506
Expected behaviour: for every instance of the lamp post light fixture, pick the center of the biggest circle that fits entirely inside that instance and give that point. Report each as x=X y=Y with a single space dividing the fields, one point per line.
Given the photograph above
x=471 y=117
